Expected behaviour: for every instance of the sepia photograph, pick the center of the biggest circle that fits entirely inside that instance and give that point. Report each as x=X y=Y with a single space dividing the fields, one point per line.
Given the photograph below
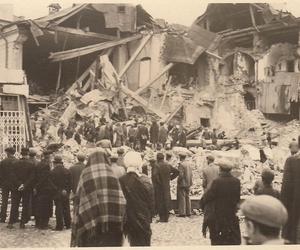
x=139 y=123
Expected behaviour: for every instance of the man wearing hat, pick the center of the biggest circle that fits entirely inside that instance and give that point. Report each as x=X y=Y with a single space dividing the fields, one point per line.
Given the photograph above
x=23 y=177
x=142 y=136
x=290 y=195
x=76 y=170
x=44 y=190
x=120 y=153
x=264 y=217
x=224 y=193
x=61 y=179
x=6 y=168
x=118 y=170
x=209 y=174
x=184 y=182
x=166 y=173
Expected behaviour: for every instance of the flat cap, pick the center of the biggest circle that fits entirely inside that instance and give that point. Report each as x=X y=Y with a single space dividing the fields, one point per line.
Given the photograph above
x=47 y=152
x=160 y=156
x=267 y=174
x=225 y=165
x=265 y=210
x=210 y=157
x=58 y=159
x=81 y=157
x=114 y=156
x=120 y=151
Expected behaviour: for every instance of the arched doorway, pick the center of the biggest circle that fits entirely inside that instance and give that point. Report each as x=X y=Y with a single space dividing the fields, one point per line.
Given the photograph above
x=249 y=101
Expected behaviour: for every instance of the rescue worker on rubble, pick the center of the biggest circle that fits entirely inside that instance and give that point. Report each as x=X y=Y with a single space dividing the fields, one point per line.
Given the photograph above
x=61 y=132
x=264 y=217
x=44 y=127
x=214 y=137
x=61 y=179
x=23 y=176
x=181 y=137
x=118 y=135
x=174 y=135
x=76 y=170
x=206 y=134
x=154 y=131
x=162 y=135
x=132 y=136
x=6 y=183
x=142 y=136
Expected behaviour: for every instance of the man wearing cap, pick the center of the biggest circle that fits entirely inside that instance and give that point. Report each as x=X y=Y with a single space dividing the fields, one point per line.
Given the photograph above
x=264 y=217
x=6 y=168
x=142 y=136
x=184 y=182
x=118 y=170
x=44 y=190
x=290 y=196
x=61 y=179
x=120 y=153
x=166 y=173
x=23 y=177
x=76 y=170
x=224 y=193
x=162 y=135
x=209 y=174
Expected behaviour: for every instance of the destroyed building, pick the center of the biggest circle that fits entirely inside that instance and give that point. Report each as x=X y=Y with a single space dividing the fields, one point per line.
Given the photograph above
x=113 y=59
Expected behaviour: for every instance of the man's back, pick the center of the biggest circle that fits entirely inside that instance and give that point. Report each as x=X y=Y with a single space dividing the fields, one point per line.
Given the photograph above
x=75 y=171
x=6 y=167
x=185 y=178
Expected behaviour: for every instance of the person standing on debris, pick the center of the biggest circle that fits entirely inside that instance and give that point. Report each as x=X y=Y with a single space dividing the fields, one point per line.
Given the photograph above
x=118 y=170
x=99 y=206
x=23 y=177
x=125 y=134
x=61 y=179
x=33 y=126
x=166 y=173
x=210 y=173
x=290 y=195
x=154 y=130
x=184 y=183
x=162 y=135
x=214 y=137
x=69 y=132
x=132 y=136
x=142 y=136
x=269 y=139
x=61 y=132
x=174 y=135
x=44 y=127
x=264 y=186
x=264 y=217
x=181 y=137
x=75 y=171
x=118 y=135
x=43 y=190
x=139 y=196
x=206 y=134
x=225 y=194
x=77 y=137
x=6 y=183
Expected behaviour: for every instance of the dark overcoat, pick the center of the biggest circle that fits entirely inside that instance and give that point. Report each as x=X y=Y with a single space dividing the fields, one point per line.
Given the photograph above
x=290 y=196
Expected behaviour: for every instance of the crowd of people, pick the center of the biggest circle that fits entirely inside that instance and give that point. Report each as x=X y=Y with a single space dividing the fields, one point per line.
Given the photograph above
x=117 y=195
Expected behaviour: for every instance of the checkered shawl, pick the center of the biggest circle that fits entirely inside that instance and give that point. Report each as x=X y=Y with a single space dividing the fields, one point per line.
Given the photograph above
x=99 y=199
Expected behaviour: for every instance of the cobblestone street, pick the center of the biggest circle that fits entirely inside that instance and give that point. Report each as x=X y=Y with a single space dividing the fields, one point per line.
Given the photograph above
x=179 y=231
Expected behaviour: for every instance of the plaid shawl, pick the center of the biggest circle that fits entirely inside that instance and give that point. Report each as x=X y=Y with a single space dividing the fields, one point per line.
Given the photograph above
x=99 y=199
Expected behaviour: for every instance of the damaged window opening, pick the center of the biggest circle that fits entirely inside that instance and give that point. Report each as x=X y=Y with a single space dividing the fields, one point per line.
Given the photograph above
x=290 y=66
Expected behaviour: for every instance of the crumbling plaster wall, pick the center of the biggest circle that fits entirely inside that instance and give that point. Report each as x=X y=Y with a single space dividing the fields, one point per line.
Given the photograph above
x=15 y=49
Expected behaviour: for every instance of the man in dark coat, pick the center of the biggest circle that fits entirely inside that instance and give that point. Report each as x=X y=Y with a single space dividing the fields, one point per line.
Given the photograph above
x=61 y=179
x=23 y=176
x=76 y=170
x=166 y=174
x=182 y=138
x=142 y=136
x=225 y=194
x=174 y=134
x=6 y=167
x=154 y=130
x=156 y=183
x=162 y=135
x=44 y=190
x=290 y=197
x=138 y=193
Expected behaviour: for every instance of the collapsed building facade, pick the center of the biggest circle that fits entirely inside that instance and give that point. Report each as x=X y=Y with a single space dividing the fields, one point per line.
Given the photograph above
x=111 y=59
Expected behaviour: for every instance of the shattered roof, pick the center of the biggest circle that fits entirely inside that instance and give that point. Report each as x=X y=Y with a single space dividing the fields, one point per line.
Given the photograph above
x=125 y=17
x=181 y=49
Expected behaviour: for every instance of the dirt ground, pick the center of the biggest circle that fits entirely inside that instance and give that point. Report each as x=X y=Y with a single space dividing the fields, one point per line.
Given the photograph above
x=178 y=232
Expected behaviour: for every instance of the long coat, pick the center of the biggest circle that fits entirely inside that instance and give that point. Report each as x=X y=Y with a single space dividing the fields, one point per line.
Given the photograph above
x=225 y=194
x=290 y=196
x=154 y=130
x=166 y=173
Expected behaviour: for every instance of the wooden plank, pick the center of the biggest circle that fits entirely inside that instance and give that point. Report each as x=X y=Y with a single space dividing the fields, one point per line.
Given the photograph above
x=142 y=101
x=135 y=55
x=152 y=81
x=213 y=55
x=253 y=17
x=73 y=53
x=80 y=32
x=166 y=92
x=60 y=20
x=168 y=119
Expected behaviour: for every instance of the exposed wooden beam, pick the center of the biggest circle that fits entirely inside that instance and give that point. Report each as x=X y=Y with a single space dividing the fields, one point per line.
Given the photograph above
x=80 y=32
x=135 y=55
x=166 y=92
x=213 y=55
x=73 y=53
x=169 y=118
x=72 y=13
x=253 y=17
x=152 y=81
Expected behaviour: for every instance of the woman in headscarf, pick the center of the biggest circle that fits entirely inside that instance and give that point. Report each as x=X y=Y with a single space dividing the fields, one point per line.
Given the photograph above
x=139 y=195
x=99 y=206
